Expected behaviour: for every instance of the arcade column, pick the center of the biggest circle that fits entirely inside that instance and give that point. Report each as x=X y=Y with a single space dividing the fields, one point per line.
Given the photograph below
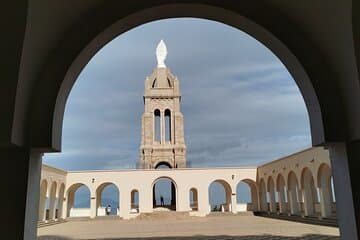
x=20 y=183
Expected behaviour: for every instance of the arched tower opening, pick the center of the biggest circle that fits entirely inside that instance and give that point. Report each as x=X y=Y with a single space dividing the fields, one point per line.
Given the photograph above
x=157 y=126
x=167 y=125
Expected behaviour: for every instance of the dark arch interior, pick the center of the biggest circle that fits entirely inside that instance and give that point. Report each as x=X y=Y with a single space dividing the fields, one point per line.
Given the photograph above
x=167 y=116
x=134 y=201
x=157 y=125
x=193 y=198
x=163 y=165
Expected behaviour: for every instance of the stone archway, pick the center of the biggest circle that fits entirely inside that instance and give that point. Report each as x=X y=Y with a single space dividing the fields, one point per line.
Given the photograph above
x=71 y=198
x=309 y=192
x=102 y=203
x=253 y=203
x=324 y=184
x=227 y=205
x=331 y=74
x=164 y=198
x=43 y=197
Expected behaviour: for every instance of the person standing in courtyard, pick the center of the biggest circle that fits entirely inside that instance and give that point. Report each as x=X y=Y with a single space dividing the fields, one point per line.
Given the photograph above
x=161 y=200
x=108 y=210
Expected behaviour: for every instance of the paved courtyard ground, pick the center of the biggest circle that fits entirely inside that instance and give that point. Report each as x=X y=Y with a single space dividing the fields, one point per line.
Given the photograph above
x=235 y=227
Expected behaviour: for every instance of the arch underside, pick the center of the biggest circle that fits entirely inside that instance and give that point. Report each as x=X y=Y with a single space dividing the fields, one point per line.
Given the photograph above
x=163 y=163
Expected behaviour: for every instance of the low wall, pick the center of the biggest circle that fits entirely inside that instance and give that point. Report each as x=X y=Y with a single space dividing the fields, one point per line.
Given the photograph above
x=80 y=212
x=241 y=207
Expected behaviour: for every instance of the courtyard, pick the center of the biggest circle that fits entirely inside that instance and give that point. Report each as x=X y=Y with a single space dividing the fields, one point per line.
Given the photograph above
x=177 y=226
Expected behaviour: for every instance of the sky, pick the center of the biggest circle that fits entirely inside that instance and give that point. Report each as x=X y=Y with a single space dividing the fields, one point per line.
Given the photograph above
x=241 y=106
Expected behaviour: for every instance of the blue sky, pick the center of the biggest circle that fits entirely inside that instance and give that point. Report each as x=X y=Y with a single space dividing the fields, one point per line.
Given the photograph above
x=241 y=106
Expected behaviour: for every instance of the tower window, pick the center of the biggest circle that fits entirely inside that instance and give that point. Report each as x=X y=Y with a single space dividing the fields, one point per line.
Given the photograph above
x=167 y=125
x=169 y=82
x=157 y=125
x=154 y=83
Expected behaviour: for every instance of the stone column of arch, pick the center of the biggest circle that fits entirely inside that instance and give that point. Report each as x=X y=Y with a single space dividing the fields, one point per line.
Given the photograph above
x=229 y=197
x=172 y=126
x=262 y=196
x=300 y=197
x=233 y=203
x=145 y=199
x=52 y=207
x=203 y=200
x=98 y=199
x=293 y=193
x=61 y=201
x=324 y=183
x=162 y=127
x=254 y=197
x=125 y=202
x=69 y=203
x=43 y=199
x=280 y=187
x=93 y=207
x=271 y=191
x=182 y=200
x=308 y=185
x=64 y=210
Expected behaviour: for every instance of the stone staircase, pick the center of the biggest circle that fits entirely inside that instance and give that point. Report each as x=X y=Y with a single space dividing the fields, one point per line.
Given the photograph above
x=50 y=222
x=317 y=220
x=215 y=214
x=112 y=217
x=168 y=215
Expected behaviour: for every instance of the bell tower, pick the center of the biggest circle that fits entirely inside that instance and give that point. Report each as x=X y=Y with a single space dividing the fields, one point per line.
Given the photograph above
x=162 y=130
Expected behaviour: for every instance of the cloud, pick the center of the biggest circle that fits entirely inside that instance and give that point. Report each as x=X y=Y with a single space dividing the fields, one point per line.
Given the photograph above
x=240 y=104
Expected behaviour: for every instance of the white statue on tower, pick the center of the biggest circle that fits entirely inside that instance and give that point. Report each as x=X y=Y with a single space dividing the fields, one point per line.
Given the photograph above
x=161 y=52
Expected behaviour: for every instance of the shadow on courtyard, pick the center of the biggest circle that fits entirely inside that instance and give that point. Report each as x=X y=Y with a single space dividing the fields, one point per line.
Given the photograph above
x=220 y=237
